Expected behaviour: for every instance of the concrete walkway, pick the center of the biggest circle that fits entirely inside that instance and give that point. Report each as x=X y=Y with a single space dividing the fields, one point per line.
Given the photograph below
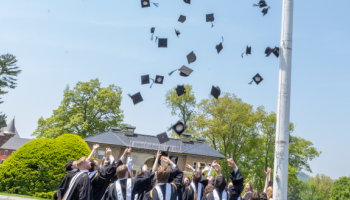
x=3 y=197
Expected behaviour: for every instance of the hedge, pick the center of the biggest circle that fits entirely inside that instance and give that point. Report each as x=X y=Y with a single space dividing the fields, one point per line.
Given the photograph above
x=37 y=168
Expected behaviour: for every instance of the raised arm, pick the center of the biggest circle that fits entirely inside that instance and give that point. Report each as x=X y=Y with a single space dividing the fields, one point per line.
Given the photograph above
x=190 y=167
x=129 y=162
x=268 y=177
x=155 y=164
x=237 y=180
x=206 y=169
x=96 y=146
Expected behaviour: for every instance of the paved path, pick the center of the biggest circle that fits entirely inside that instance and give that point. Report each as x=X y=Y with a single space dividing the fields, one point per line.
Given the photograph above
x=2 y=197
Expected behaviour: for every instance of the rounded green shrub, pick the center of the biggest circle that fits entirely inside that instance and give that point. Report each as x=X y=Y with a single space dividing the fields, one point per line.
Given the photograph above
x=38 y=166
x=341 y=189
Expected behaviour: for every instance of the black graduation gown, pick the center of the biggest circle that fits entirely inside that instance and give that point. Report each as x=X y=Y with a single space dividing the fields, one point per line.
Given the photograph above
x=189 y=193
x=176 y=177
x=83 y=189
x=137 y=186
x=247 y=196
x=237 y=188
x=210 y=196
x=148 y=186
x=64 y=185
x=153 y=194
x=101 y=180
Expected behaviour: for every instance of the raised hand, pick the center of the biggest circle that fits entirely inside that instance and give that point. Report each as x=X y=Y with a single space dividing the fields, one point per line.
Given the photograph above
x=206 y=169
x=159 y=153
x=129 y=150
x=189 y=166
x=232 y=163
x=167 y=160
x=96 y=146
x=214 y=163
x=268 y=171
x=217 y=169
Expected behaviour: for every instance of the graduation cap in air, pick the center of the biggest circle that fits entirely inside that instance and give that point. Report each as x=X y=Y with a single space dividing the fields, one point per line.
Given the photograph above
x=265 y=10
x=162 y=42
x=145 y=79
x=275 y=51
x=179 y=127
x=219 y=47
x=247 y=51
x=210 y=18
x=174 y=159
x=159 y=79
x=184 y=71
x=180 y=90
x=163 y=137
x=177 y=32
x=257 y=79
x=152 y=31
x=187 y=1
x=145 y=3
x=215 y=91
x=191 y=57
x=182 y=19
x=136 y=98
x=261 y=4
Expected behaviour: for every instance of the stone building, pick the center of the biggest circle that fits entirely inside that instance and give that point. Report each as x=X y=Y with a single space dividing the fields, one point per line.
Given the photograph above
x=146 y=146
x=7 y=132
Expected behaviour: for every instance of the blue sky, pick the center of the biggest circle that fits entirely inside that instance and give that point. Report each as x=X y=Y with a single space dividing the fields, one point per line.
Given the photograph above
x=58 y=43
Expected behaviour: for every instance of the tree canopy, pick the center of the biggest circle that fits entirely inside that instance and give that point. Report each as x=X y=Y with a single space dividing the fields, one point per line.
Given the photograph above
x=341 y=189
x=85 y=110
x=8 y=71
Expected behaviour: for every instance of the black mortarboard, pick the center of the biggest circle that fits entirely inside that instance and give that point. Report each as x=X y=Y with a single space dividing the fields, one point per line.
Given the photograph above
x=180 y=90
x=276 y=51
x=145 y=79
x=159 y=79
x=185 y=71
x=136 y=98
x=191 y=57
x=182 y=19
x=174 y=159
x=145 y=3
x=163 y=137
x=257 y=78
x=177 y=32
x=68 y=166
x=163 y=42
x=187 y=1
x=179 y=127
x=219 y=47
x=210 y=18
x=268 y=51
x=152 y=31
x=265 y=10
x=215 y=91
x=262 y=3
x=248 y=50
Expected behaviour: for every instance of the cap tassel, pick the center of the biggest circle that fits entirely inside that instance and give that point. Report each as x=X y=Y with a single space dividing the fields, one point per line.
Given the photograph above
x=130 y=96
x=172 y=72
x=251 y=82
x=212 y=25
x=156 y=39
x=242 y=54
x=156 y=4
x=152 y=36
x=152 y=83
x=254 y=5
x=222 y=38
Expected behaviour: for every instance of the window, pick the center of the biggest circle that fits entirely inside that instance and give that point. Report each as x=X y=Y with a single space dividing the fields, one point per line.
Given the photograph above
x=202 y=166
x=6 y=137
x=12 y=152
x=100 y=154
x=5 y=152
x=2 y=161
x=195 y=165
x=209 y=164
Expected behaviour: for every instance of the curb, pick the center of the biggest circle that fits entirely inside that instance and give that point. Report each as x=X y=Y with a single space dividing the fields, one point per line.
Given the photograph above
x=14 y=198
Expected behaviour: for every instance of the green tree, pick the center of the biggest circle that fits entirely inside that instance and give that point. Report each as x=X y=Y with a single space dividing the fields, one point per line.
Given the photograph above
x=2 y=119
x=321 y=186
x=183 y=106
x=341 y=189
x=86 y=110
x=8 y=70
x=38 y=166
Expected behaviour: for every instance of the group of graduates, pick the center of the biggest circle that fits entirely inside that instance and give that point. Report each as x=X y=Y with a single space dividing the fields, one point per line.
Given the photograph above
x=113 y=180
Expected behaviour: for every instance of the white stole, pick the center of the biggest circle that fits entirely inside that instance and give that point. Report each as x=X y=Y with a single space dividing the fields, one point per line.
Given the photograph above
x=199 y=192
x=216 y=195
x=119 y=189
x=71 y=184
x=167 y=193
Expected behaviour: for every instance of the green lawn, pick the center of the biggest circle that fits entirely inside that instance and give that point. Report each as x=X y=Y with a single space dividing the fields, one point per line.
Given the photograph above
x=23 y=196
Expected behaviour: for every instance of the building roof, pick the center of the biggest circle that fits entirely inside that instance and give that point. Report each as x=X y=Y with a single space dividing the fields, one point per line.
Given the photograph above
x=10 y=129
x=152 y=143
x=15 y=143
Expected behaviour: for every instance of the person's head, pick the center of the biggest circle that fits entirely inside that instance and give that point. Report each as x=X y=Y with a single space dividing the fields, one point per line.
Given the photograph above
x=186 y=180
x=255 y=195
x=196 y=177
x=229 y=185
x=94 y=165
x=269 y=192
x=210 y=180
x=208 y=189
x=70 y=165
x=122 y=172
x=220 y=183
x=84 y=163
x=163 y=174
x=248 y=187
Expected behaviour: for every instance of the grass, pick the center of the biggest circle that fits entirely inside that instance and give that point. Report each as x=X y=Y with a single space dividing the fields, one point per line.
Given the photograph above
x=23 y=196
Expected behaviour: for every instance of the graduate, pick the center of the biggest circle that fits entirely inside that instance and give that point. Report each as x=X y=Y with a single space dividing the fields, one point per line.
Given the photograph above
x=126 y=188
x=80 y=187
x=195 y=190
x=237 y=181
x=72 y=169
x=101 y=178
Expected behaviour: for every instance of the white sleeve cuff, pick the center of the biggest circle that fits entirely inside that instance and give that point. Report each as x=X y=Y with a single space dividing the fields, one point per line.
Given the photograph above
x=111 y=160
x=236 y=169
x=121 y=158
x=173 y=167
x=129 y=163
x=210 y=171
x=194 y=170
